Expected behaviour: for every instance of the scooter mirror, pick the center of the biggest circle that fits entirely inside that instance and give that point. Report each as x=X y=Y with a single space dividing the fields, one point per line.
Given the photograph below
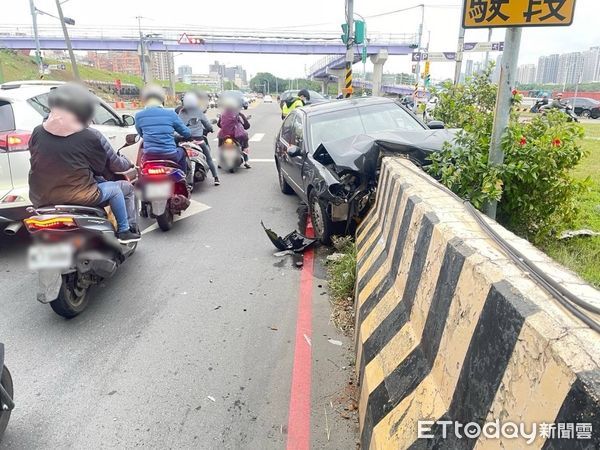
x=131 y=139
x=213 y=121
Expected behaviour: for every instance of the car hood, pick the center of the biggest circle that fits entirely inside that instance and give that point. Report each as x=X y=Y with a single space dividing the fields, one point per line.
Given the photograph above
x=361 y=153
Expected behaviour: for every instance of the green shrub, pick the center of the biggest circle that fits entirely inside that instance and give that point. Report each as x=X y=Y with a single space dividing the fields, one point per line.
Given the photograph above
x=533 y=187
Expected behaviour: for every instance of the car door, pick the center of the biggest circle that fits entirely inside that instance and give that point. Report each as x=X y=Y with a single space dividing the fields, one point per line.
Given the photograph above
x=290 y=166
x=108 y=122
x=296 y=163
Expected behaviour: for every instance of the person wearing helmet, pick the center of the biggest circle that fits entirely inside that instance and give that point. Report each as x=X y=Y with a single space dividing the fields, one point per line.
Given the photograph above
x=193 y=116
x=558 y=102
x=300 y=100
x=157 y=126
x=233 y=123
x=69 y=161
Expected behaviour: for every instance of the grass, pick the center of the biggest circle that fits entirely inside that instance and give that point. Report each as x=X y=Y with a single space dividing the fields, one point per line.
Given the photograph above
x=342 y=277
x=582 y=254
x=15 y=66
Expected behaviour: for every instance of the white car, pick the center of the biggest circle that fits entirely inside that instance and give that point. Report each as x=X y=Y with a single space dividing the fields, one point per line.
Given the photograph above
x=267 y=99
x=23 y=106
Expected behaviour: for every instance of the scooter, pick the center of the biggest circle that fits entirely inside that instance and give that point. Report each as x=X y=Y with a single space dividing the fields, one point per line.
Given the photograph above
x=231 y=156
x=198 y=164
x=74 y=248
x=6 y=393
x=567 y=109
x=165 y=191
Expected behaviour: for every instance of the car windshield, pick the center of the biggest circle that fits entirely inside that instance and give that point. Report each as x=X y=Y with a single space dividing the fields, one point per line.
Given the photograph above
x=364 y=120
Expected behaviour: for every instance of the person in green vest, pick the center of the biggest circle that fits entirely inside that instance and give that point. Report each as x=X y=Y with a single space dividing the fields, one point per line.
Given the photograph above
x=300 y=100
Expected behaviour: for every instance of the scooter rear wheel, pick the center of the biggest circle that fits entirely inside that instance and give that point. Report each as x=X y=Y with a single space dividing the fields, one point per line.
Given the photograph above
x=7 y=384
x=71 y=300
x=165 y=220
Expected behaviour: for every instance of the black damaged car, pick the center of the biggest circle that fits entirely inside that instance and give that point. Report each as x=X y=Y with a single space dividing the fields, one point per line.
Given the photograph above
x=330 y=154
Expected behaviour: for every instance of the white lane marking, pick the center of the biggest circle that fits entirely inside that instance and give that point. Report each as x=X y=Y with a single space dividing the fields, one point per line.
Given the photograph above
x=257 y=137
x=194 y=208
x=252 y=160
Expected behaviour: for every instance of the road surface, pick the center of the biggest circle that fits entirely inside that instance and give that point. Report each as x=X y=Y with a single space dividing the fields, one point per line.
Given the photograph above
x=191 y=344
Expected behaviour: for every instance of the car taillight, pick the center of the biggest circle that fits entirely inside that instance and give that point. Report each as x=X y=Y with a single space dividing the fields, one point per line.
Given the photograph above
x=15 y=140
x=51 y=223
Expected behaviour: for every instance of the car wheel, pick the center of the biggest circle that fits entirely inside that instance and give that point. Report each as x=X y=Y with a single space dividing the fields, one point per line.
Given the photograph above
x=283 y=185
x=586 y=113
x=322 y=224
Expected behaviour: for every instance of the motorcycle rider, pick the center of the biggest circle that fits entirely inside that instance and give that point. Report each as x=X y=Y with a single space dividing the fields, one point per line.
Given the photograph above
x=69 y=161
x=300 y=100
x=157 y=126
x=233 y=123
x=191 y=109
x=558 y=103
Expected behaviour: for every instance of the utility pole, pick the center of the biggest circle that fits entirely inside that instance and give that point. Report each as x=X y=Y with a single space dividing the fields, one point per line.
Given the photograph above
x=418 y=74
x=508 y=71
x=38 y=52
x=142 y=51
x=459 y=50
x=349 y=47
x=171 y=69
x=487 y=52
x=74 y=67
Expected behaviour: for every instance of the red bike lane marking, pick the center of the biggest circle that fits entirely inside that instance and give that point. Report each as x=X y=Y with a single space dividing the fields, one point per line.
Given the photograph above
x=299 y=412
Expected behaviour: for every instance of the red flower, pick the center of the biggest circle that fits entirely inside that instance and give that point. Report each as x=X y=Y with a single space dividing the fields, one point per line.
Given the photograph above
x=514 y=92
x=523 y=141
x=556 y=142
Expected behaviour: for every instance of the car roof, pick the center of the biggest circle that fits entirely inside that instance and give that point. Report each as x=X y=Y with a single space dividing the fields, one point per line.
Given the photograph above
x=22 y=90
x=339 y=105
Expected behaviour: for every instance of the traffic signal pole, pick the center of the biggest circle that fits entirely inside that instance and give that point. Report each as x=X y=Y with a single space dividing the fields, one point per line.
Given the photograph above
x=349 y=48
x=74 y=67
x=38 y=52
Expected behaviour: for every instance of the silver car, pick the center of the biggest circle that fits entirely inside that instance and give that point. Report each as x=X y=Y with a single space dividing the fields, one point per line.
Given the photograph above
x=23 y=106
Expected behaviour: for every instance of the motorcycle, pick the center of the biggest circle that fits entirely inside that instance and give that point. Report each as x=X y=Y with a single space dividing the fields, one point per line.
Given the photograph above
x=231 y=156
x=74 y=248
x=165 y=191
x=198 y=164
x=538 y=105
x=6 y=393
x=567 y=109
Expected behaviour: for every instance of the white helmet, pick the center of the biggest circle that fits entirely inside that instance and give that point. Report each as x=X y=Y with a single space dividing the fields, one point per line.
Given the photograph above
x=230 y=102
x=190 y=100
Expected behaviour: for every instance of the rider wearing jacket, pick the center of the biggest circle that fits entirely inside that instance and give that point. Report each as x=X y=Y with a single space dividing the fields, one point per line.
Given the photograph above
x=69 y=161
x=233 y=123
x=192 y=115
x=157 y=126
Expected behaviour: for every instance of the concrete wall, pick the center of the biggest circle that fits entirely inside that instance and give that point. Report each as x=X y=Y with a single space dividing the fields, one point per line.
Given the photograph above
x=448 y=328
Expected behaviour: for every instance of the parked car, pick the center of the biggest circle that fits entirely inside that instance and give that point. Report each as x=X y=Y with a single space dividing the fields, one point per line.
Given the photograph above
x=267 y=99
x=329 y=155
x=23 y=106
x=585 y=107
x=315 y=97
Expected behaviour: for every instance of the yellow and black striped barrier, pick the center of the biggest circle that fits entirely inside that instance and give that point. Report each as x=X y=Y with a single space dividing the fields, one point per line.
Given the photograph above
x=348 y=89
x=449 y=329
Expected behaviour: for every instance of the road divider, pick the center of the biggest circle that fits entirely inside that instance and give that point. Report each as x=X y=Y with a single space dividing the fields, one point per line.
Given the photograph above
x=448 y=328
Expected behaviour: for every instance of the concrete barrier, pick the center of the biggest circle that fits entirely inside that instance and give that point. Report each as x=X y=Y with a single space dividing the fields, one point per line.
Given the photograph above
x=448 y=328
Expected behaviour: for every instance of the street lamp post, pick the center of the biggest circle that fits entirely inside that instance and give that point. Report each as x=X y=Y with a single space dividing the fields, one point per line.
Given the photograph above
x=63 y=22
x=38 y=52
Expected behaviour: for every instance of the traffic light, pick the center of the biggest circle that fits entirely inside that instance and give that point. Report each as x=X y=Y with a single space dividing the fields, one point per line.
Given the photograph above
x=426 y=80
x=345 y=34
x=359 y=32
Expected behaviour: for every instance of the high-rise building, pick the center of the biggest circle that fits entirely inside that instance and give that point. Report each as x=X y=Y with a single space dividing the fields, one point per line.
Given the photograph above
x=570 y=66
x=497 y=67
x=216 y=68
x=122 y=62
x=236 y=73
x=547 y=69
x=591 y=65
x=161 y=63
x=526 y=74
x=183 y=72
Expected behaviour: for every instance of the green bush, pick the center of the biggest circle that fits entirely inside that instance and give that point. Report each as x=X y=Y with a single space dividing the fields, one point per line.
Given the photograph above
x=534 y=187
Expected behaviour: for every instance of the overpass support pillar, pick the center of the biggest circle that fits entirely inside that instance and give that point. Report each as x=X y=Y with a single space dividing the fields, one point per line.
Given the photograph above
x=324 y=87
x=378 y=61
x=340 y=74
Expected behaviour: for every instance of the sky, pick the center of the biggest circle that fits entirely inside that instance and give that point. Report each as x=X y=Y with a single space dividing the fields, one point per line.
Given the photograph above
x=442 y=18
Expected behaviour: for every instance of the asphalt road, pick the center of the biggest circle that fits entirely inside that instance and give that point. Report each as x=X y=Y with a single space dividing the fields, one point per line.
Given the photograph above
x=190 y=344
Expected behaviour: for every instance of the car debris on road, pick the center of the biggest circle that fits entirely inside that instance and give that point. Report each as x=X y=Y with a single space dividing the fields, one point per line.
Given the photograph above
x=293 y=241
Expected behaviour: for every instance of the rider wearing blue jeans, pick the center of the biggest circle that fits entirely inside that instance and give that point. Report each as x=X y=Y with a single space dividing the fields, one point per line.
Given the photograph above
x=69 y=161
x=157 y=126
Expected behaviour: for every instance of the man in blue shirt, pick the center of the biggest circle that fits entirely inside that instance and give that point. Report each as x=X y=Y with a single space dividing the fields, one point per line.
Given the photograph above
x=157 y=126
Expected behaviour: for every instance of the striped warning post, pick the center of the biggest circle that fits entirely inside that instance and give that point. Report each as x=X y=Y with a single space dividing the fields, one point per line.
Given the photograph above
x=449 y=329
x=348 y=80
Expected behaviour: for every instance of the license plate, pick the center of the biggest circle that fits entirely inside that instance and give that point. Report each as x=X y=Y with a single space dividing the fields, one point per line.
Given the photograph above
x=155 y=191
x=50 y=256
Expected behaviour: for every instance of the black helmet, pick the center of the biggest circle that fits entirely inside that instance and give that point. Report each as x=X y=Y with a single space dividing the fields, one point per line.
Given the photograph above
x=304 y=93
x=74 y=98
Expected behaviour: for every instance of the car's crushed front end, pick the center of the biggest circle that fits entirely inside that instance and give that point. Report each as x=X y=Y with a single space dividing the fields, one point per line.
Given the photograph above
x=346 y=175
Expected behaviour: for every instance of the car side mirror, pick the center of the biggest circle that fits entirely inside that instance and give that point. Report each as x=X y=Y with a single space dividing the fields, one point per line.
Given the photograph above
x=128 y=120
x=436 y=125
x=131 y=139
x=293 y=151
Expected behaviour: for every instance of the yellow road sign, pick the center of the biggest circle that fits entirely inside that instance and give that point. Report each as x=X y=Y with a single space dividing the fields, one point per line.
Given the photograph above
x=517 y=13
x=426 y=71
